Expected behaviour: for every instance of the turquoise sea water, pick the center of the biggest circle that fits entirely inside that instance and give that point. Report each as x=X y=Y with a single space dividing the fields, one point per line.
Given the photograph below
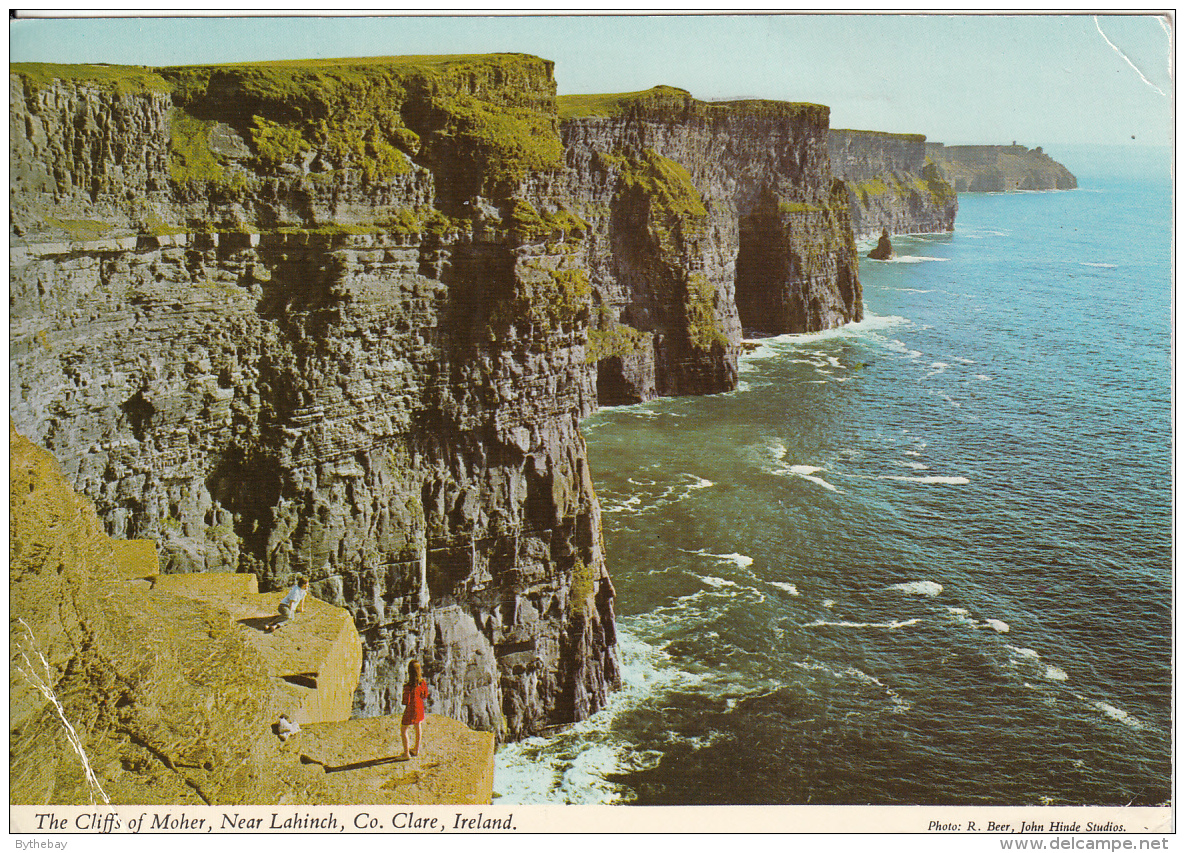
x=926 y=559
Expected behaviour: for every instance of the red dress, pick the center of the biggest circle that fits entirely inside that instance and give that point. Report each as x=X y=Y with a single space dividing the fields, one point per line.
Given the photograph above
x=413 y=700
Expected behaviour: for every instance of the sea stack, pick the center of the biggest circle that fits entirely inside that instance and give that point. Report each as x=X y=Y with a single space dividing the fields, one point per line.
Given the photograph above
x=884 y=248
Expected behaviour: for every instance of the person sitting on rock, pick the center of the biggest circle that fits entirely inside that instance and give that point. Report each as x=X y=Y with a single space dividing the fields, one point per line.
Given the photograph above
x=286 y=728
x=414 y=694
x=292 y=602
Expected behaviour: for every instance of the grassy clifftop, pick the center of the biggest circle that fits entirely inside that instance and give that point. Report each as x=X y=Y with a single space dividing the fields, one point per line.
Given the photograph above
x=491 y=117
x=494 y=112
x=668 y=99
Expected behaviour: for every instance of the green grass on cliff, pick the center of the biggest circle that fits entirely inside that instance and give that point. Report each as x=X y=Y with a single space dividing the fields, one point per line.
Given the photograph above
x=669 y=98
x=587 y=106
x=618 y=340
x=703 y=330
x=664 y=183
x=375 y=113
x=531 y=226
x=122 y=79
x=189 y=144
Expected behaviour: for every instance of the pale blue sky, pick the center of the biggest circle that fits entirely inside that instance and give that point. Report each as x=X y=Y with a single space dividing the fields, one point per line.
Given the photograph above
x=1041 y=80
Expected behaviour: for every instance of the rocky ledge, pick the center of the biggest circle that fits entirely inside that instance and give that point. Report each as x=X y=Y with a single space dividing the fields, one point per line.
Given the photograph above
x=128 y=686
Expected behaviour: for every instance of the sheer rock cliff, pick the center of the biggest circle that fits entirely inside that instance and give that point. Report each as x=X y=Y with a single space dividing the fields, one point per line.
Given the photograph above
x=706 y=218
x=342 y=318
x=892 y=184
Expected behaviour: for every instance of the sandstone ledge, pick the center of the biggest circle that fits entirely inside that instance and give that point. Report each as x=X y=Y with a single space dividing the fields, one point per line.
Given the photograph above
x=171 y=688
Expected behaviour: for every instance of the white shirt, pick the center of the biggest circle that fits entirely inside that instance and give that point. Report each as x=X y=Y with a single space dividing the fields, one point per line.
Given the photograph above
x=295 y=595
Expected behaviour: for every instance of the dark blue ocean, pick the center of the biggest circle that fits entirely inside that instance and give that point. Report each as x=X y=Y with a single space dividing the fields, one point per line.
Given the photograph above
x=925 y=559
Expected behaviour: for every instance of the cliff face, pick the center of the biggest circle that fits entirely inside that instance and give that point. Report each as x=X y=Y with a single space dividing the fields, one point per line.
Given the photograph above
x=891 y=183
x=1000 y=168
x=705 y=218
x=302 y=319
x=127 y=686
x=333 y=318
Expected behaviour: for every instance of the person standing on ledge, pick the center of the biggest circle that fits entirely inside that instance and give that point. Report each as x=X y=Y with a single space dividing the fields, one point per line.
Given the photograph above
x=292 y=602
x=414 y=694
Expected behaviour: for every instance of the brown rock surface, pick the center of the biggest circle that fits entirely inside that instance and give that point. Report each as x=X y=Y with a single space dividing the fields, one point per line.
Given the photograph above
x=125 y=692
x=359 y=758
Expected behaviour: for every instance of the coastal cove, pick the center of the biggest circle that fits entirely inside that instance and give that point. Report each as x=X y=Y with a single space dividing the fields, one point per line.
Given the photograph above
x=921 y=559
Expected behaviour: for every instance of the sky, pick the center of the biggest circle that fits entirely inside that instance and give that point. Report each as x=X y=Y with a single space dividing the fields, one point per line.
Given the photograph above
x=1036 y=79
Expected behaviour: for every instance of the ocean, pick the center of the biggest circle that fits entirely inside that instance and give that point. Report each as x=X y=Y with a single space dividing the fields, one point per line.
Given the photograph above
x=923 y=559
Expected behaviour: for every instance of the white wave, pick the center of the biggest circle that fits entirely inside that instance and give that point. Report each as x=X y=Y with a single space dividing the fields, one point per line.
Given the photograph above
x=699 y=482
x=1028 y=654
x=983 y=378
x=952 y=481
x=911 y=453
x=913 y=259
x=892 y=626
x=957 y=611
x=807 y=472
x=897 y=346
x=1118 y=714
x=1101 y=266
x=998 y=625
x=1053 y=673
x=938 y=367
x=715 y=583
x=788 y=587
x=984 y=232
x=917 y=466
x=574 y=766
x=900 y=704
x=927 y=588
x=741 y=561
x=828 y=603
x=962 y=360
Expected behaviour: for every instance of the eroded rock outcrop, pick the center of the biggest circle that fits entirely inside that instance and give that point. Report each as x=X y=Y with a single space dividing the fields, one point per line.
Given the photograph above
x=1000 y=168
x=891 y=183
x=706 y=217
x=883 y=251
x=304 y=318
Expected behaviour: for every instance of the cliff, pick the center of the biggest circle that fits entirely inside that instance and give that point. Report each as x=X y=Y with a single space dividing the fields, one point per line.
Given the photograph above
x=892 y=184
x=302 y=318
x=342 y=318
x=705 y=218
x=128 y=686
x=1000 y=168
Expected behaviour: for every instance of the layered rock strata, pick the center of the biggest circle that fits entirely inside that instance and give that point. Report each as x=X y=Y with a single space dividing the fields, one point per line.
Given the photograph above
x=304 y=318
x=892 y=184
x=706 y=218
x=1000 y=168
x=332 y=318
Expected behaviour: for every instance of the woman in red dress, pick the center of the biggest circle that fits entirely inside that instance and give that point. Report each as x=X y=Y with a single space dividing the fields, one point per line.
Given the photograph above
x=414 y=694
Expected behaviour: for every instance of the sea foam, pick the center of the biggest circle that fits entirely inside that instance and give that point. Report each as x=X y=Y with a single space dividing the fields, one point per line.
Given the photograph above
x=928 y=588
